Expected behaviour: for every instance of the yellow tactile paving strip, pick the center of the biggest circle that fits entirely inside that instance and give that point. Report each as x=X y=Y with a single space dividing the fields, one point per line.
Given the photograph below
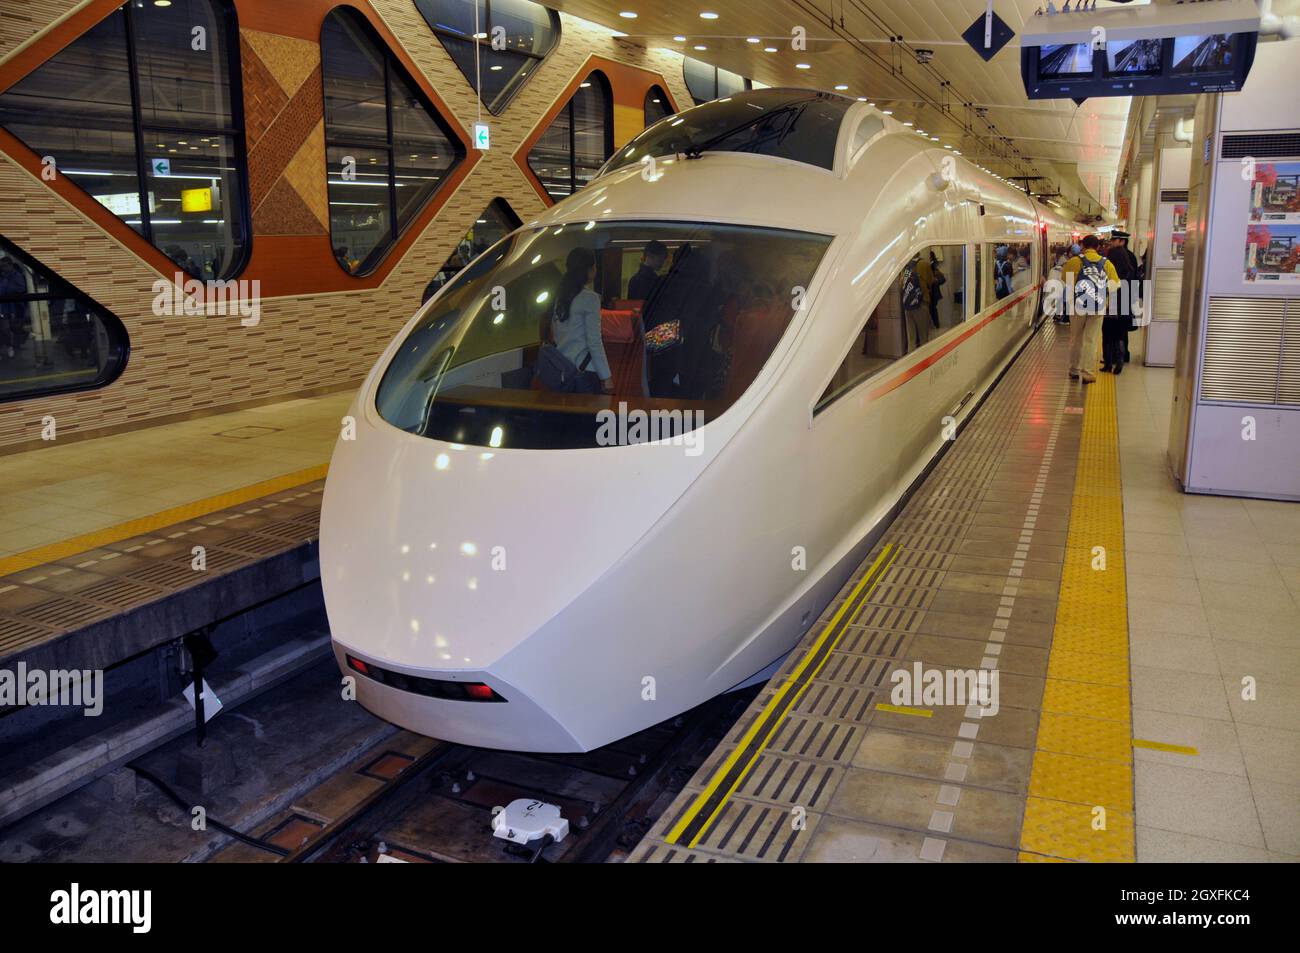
x=148 y=524
x=1080 y=805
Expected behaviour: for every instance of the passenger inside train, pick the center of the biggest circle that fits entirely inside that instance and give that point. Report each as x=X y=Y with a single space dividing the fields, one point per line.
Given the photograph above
x=670 y=316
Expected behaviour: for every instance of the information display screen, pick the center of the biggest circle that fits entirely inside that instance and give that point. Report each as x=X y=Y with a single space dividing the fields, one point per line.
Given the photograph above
x=1133 y=57
x=1158 y=66
x=1202 y=54
x=1069 y=59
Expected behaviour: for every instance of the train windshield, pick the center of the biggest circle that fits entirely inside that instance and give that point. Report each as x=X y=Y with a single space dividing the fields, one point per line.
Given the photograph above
x=797 y=124
x=598 y=333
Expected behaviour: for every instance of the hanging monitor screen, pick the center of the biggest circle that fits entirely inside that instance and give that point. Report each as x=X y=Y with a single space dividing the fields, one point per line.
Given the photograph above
x=1202 y=63
x=1133 y=58
x=1202 y=54
x=1065 y=59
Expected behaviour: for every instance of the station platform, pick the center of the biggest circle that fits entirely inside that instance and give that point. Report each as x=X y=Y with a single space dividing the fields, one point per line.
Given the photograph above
x=1049 y=546
x=98 y=536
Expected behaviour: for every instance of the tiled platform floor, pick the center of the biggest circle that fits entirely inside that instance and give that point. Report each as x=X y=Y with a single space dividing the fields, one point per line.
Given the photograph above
x=1212 y=589
x=68 y=490
x=1213 y=597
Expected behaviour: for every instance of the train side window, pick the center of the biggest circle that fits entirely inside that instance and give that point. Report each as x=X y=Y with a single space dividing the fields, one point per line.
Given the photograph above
x=657 y=105
x=149 y=124
x=53 y=339
x=387 y=149
x=977 y=302
x=496 y=47
x=927 y=298
x=578 y=141
x=1011 y=267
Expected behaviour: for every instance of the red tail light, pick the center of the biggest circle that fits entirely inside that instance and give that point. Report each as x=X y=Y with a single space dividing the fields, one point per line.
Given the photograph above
x=479 y=692
x=359 y=665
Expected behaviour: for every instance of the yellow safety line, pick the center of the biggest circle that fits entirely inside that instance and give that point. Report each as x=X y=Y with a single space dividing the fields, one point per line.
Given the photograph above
x=1080 y=804
x=904 y=710
x=147 y=524
x=867 y=583
x=1163 y=746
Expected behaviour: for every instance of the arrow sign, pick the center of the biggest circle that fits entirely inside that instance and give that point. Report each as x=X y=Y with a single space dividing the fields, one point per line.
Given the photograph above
x=481 y=137
x=988 y=34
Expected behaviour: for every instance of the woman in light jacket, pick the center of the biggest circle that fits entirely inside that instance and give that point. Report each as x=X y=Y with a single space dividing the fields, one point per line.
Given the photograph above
x=576 y=323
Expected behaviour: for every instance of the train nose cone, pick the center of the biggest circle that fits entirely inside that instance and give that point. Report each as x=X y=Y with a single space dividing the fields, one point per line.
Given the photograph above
x=443 y=557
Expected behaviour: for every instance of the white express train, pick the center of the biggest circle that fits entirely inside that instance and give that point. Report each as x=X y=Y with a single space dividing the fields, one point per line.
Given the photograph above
x=621 y=463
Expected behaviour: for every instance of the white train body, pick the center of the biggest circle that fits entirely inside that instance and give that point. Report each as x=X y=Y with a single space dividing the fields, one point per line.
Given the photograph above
x=632 y=583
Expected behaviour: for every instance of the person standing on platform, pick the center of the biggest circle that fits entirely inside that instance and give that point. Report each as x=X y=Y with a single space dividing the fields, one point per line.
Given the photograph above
x=1119 y=319
x=1089 y=279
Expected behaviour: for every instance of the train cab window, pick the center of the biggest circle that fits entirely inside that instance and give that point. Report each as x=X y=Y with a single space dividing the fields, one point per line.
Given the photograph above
x=387 y=151
x=801 y=125
x=928 y=298
x=578 y=141
x=552 y=329
x=1010 y=266
x=657 y=105
x=496 y=47
x=52 y=337
x=147 y=121
x=497 y=221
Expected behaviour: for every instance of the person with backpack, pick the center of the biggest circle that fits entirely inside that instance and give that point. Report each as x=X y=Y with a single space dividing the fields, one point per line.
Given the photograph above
x=573 y=360
x=913 y=294
x=1003 y=272
x=1089 y=279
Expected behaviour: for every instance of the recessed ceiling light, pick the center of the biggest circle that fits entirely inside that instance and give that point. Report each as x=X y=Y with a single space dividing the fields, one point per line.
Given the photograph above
x=584 y=85
x=627 y=15
x=680 y=39
x=708 y=15
x=701 y=47
x=842 y=86
x=869 y=104
x=934 y=138
x=752 y=39
x=887 y=112
x=769 y=49
x=907 y=123
x=802 y=66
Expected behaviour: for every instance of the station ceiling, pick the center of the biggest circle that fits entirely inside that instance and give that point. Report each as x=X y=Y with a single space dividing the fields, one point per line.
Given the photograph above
x=979 y=108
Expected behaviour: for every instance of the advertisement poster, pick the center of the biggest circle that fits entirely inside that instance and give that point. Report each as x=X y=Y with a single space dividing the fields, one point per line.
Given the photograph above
x=1275 y=193
x=1273 y=253
x=1179 y=234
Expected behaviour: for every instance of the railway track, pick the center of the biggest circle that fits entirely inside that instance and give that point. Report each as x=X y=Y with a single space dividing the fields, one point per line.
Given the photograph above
x=439 y=808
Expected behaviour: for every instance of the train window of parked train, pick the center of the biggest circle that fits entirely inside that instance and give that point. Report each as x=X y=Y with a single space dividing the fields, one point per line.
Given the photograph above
x=927 y=299
x=1010 y=267
x=497 y=221
x=706 y=83
x=52 y=337
x=657 y=105
x=555 y=332
x=513 y=37
x=802 y=125
x=578 y=141
x=387 y=151
x=148 y=122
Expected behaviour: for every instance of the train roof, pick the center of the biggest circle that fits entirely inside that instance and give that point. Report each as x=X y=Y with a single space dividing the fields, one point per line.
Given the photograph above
x=787 y=158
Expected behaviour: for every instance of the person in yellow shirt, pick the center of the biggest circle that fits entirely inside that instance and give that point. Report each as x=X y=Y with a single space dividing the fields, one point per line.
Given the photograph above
x=1090 y=281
